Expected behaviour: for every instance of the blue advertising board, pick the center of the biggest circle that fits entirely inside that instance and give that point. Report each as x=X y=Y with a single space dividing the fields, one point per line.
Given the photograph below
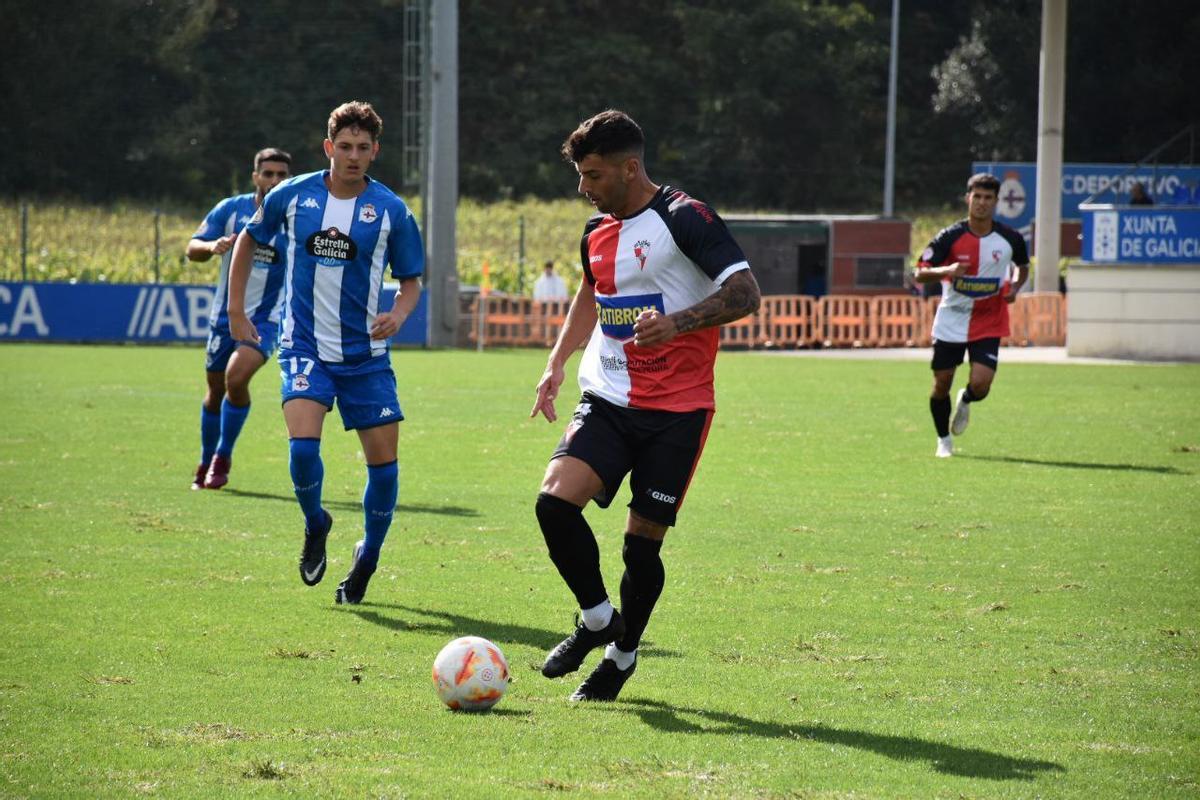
x=1141 y=234
x=101 y=312
x=1017 y=206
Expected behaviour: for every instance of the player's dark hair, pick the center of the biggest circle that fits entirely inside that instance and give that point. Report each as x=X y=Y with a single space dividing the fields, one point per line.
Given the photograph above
x=355 y=114
x=983 y=180
x=271 y=154
x=609 y=132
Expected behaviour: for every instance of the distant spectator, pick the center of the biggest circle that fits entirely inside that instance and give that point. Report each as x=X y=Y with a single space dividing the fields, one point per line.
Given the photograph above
x=549 y=286
x=1138 y=195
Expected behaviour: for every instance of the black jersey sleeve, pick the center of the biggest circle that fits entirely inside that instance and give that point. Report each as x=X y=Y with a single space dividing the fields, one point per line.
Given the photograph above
x=1020 y=253
x=701 y=234
x=938 y=249
x=584 y=257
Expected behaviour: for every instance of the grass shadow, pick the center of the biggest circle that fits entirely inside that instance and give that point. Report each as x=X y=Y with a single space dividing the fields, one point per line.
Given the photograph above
x=1077 y=464
x=346 y=505
x=967 y=762
x=450 y=624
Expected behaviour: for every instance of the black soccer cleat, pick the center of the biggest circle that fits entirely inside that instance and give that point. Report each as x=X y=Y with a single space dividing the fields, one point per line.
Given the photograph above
x=312 y=556
x=353 y=589
x=604 y=683
x=571 y=651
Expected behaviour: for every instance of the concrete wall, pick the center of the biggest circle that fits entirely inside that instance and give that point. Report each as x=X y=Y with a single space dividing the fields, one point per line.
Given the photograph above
x=1134 y=311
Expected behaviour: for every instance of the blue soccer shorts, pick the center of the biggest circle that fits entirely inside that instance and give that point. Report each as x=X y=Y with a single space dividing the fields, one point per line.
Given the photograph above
x=364 y=401
x=221 y=345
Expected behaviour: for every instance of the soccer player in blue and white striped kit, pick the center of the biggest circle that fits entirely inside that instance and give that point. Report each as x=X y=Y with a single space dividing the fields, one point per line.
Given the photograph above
x=230 y=364
x=342 y=229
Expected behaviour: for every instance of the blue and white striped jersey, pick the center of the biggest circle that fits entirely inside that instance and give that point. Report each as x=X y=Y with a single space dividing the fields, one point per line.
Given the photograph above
x=335 y=252
x=264 y=298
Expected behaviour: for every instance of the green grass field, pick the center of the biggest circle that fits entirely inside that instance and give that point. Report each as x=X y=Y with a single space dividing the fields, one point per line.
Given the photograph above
x=845 y=616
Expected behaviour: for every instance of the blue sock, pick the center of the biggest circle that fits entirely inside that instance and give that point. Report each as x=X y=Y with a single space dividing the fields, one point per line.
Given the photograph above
x=379 y=501
x=210 y=432
x=307 y=474
x=232 y=419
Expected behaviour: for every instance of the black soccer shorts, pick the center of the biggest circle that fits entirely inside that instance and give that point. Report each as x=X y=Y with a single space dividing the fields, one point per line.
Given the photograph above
x=659 y=450
x=948 y=355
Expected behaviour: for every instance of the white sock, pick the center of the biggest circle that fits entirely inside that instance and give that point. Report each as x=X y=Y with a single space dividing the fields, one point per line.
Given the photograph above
x=597 y=617
x=623 y=660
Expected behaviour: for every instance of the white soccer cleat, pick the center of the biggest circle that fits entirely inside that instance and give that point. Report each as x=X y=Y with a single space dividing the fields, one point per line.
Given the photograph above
x=945 y=447
x=962 y=415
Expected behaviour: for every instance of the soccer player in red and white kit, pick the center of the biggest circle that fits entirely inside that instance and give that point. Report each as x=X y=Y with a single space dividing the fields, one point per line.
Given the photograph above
x=974 y=259
x=661 y=274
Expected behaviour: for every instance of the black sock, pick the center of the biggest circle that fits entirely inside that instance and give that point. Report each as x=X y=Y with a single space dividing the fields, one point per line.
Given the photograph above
x=641 y=585
x=572 y=547
x=940 y=408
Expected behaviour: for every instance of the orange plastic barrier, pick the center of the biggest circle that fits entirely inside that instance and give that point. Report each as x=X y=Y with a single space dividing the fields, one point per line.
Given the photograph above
x=897 y=320
x=843 y=320
x=749 y=331
x=507 y=321
x=1045 y=316
x=789 y=320
x=549 y=316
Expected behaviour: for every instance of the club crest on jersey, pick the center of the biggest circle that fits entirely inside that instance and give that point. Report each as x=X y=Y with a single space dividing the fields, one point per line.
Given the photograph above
x=258 y=216
x=299 y=383
x=996 y=256
x=641 y=251
x=331 y=247
x=367 y=213
x=617 y=314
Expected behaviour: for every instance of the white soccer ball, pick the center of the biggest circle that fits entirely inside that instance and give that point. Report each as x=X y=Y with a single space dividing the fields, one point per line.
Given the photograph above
x=470 y=674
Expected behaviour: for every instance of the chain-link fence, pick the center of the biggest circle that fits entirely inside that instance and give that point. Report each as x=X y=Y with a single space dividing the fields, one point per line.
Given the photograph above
x=100 y=244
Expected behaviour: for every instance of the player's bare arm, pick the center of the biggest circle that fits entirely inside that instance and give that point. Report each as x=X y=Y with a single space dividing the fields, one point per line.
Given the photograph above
x=386 y=325
x=201 y=250
x=1019 y=281
x=738 y=296
x=581 y=320
x=934 y=274
x=240 y=326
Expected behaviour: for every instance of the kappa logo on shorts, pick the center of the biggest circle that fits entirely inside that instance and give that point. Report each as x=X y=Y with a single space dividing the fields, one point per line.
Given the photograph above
x=582 y=410
x=386 y=412
x=300 y=383
x=214 y=343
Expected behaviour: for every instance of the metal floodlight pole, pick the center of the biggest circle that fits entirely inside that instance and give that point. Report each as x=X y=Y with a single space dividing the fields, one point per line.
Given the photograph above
x=441 y=177
x=889 y=166
x=1047 y=246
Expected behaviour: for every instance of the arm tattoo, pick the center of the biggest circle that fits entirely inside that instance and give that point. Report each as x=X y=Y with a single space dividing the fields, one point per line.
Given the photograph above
x=736 y=298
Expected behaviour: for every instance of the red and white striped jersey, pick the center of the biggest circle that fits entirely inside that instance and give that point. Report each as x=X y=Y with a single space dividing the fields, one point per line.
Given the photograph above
x=669 y=256
x=974 y=306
